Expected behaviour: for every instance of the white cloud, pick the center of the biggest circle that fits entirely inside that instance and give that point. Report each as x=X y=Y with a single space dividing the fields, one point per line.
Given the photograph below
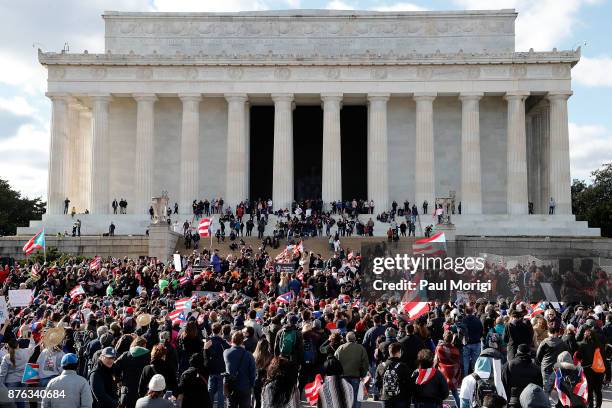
x=590 y=147
x=17 y=105
x=541 y=25
x=339 y=5
x=399 y=7
x=293 y=3
x=205 y=5
x=593 y=71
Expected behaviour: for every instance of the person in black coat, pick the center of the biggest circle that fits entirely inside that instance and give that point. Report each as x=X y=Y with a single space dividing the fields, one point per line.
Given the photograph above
x=411 y=345
x=101 y=380
x=429 y=387
x=192 y=391
x=158 y=366
x=518 y=373
x=129 y=366
x=403 y=374
x=517 y=332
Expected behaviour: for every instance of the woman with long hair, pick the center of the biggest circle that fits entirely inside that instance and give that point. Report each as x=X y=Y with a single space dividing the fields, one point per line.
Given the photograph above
x=335 y=392
x=130 y=366
x=448 y=360
x=13 y=365
x=263 y=357
x=189 y=343
x=281 y=385
x=158 y=366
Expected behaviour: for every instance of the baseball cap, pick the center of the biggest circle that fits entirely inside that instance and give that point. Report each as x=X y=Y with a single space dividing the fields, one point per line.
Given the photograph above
x=109 y=352
x=69 y=359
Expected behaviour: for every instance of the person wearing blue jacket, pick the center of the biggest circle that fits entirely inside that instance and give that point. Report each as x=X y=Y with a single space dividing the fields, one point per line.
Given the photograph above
x=239 y=373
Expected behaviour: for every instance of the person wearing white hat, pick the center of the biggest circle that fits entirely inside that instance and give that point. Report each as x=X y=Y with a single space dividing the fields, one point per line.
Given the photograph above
x=155 y=396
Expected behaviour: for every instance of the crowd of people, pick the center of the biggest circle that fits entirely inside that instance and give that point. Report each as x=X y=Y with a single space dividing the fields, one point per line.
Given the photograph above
x=233 y=330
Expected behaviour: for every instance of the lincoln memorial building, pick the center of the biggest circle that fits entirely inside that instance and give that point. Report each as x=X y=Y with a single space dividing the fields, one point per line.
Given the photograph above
x=290 y=105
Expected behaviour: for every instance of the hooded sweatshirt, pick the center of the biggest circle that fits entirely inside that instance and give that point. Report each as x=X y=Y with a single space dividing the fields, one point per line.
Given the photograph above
x=519 y=373
x=430 y=386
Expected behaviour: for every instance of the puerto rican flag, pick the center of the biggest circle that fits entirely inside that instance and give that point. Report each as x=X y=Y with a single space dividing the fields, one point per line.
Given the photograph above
x=183 y=304
x=425 y=374
x=184 y=279
x=205 y=227
x=285 y=298
x=434 y=245
x=415 y=309
x=36 y=242
x=77 y=291
x=311 y=390
x=178 y=316
x=95 y=263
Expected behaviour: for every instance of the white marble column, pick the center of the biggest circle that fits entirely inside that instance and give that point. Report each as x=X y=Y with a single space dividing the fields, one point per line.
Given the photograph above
x=424 y=164
x=543 y=129
x=143 y=165
x=237 y=150
x=100 y=160
x=332 y=155
x=190 y=152
x=559 y=170
x=56 y=192
x=378 y=167
x=282 y=182
x=516 y=189
x=72 y=166
x=84 y=179
x=471 y=190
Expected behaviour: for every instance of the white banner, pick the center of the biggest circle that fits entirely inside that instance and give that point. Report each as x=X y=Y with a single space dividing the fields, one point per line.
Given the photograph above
x=178 y=265
x=3 y=310
x=20 y=297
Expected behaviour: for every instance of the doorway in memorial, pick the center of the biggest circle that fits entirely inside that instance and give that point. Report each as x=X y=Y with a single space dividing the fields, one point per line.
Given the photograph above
x=261 y=153
x=354 y=139
x=307 y=152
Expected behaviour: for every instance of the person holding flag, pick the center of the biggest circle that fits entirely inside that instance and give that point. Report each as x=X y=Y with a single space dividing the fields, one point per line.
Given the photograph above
x=13 y=365
x=36 y=242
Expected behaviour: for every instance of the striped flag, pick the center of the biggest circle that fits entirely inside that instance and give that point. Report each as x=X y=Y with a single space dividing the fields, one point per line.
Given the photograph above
x=183 y=304
x=30 y=374
x=77 y=291
x=184 y=279
x=35 y=271
x=425 y=374
x=178 y=316
x=581 y=389
x=415 y=309
x=36 y=242
x=311 y=390
x=95 y=263
x=434 y=245
x=205 y=227
x=285 y=297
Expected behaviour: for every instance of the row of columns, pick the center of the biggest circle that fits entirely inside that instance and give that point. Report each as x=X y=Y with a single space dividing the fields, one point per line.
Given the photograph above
x=93 y=172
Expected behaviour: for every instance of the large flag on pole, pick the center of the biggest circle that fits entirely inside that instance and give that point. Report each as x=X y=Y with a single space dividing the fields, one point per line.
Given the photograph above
x=36 y=242
x=205 y=227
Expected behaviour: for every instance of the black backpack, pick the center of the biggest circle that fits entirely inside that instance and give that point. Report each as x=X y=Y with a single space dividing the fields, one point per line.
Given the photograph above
x=482 y=389
x=390 y=380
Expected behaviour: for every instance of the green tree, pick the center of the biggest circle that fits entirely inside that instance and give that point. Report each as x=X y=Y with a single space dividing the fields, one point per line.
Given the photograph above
x=17 y=211
x=593 y=203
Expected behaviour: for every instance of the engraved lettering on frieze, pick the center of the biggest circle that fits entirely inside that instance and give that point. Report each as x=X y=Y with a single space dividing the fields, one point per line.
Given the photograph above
x=145 y=73
x=424 y=73
x=332 y=73
x=282 y=73
x=190 y=73
x=379 y=73
x=518 y=71
x=235 y=72
x=473 y=72
x=99 y=73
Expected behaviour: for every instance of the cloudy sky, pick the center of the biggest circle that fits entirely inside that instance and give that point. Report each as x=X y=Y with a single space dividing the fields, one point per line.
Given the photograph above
x=28 y=24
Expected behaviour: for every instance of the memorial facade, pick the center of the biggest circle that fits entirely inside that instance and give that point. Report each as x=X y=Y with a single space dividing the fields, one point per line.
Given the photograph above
x=448 y=108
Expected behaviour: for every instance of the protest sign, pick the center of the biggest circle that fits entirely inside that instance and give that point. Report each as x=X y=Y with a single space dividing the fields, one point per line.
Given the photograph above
x=20 y=297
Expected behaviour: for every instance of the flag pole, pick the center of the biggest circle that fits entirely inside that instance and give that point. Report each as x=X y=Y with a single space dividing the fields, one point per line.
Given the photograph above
x=44 y=246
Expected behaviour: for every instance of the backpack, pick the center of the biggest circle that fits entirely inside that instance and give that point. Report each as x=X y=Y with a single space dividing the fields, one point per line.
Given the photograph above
x=287 y=342
x=482 y=389
x=493 y=340
x=598 y=363
x=390 y=380
x=309 y=351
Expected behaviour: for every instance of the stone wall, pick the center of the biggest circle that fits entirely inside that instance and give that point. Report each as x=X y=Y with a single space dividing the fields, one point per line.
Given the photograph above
x=89 y=246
